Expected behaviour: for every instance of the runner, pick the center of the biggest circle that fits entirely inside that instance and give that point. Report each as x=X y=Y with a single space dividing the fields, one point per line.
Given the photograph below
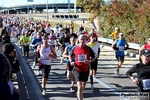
x=59 y=35
x=120 y=45
x=66 y=55
x=145 y=46
x=96 y=49
x=115 y=34
x=52 y=38
x=36 y=42
x=64 y=41
x=25 y=42
x=47 y=29
x=44 y=54
x=142 y=70
x=82 y=55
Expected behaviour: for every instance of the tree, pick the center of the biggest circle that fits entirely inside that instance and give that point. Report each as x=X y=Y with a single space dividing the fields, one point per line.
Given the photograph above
x=132 y=16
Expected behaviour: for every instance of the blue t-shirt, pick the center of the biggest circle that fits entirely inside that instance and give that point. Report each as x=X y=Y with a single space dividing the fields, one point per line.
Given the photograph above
x=121 y=47
x=38 y=41
x=68 y=52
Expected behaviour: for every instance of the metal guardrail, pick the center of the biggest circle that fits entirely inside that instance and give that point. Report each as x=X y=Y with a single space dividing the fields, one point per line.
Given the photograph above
x=110 y=41
x=30 y=89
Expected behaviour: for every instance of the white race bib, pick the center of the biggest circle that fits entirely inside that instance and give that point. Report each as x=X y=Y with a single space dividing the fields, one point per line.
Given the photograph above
x=52 y=42
x=45 y=56
x=121 y=48
x=39 y=43
x=146 y=84
x=26 y=44
x=66 y=44
x=81 y=57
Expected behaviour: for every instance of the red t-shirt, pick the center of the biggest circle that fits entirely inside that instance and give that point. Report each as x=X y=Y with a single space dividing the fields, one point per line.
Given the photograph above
x=80 y=54
x=147 y=46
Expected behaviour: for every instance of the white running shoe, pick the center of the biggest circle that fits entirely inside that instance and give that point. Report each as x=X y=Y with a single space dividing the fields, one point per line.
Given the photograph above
x=39 y=73
x=92 y=87
x=44 y=92
x=117 y=73
x=34 y=64
x=61 y=62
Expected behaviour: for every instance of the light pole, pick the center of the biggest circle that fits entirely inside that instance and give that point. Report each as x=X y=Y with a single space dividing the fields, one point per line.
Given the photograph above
x=47 y=9
x=69 y=6
x=75 y=6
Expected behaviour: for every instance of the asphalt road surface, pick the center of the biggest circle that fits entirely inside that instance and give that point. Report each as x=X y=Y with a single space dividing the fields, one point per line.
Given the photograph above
x=107 y=84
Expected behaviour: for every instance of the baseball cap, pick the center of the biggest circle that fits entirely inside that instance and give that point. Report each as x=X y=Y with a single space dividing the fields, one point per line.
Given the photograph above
x=120 y=34
x=145 y=52
x=116 y=28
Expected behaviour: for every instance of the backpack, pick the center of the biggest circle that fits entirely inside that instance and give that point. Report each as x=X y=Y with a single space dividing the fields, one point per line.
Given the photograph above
x=5 y=68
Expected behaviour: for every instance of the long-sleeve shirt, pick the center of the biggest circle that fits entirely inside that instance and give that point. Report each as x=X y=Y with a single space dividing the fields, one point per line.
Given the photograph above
x=143 y=72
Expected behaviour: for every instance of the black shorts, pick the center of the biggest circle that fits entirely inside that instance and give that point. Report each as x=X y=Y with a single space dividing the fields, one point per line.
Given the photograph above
x=81 y=76
x=26 y=48
x=120 y=58
x=94 y=64
x=45 y=70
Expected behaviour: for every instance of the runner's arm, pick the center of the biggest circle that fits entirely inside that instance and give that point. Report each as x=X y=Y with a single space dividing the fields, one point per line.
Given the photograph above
x=114 y=45
x=71 y=59
x=65 y=52
x=37 y=52
x=98 y=50
x=127 y=46
x=91 y=55
x=131 y=71
x=54 y=55
x=142 y=48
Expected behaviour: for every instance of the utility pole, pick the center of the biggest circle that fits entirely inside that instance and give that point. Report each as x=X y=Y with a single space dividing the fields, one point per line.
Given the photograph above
x=75 y=7
x=47 y=10
x=69 y=6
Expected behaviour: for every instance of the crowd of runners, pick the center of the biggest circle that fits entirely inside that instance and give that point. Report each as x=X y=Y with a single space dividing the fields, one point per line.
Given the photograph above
x=79 y=48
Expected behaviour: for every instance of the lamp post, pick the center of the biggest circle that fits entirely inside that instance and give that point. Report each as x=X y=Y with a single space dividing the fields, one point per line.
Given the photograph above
x=47 y=9
x=68 y=6
x=75 y=7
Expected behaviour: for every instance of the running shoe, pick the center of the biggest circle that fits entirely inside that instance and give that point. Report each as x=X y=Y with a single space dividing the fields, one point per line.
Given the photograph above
x=117 y=73
x=34 y=64
x=44 y=92
x=61 y=62
x=72 y=89
x=92 y=87
x=39 y=73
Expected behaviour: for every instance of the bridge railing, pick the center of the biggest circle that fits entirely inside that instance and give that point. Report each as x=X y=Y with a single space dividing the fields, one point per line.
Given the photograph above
x=110 y=41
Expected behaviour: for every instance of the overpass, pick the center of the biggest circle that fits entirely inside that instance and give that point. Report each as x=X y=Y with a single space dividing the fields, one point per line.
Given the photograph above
x=37 y=7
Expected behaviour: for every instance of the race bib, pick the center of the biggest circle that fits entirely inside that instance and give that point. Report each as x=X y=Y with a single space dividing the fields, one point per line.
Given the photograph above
x=81 y=57
x=52 y=42
x=66 y=44
x=146 y=84
x=26 y=44
x=45 y=56
x=121 y=48
x=39 y=43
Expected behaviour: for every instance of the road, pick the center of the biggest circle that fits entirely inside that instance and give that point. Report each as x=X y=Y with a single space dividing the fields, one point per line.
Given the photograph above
x=107 y=85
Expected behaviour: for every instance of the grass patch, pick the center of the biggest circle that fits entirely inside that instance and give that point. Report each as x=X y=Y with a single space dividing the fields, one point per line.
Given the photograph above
x=53 y=23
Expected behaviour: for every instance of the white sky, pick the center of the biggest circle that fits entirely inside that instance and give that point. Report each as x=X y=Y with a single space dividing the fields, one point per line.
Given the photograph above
x=7 y=3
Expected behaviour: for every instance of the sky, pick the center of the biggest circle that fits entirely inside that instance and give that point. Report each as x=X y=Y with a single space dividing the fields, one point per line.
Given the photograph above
x=8 y=3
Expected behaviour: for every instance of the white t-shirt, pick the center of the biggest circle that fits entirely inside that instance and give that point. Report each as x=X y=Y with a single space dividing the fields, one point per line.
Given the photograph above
x=47 y=29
